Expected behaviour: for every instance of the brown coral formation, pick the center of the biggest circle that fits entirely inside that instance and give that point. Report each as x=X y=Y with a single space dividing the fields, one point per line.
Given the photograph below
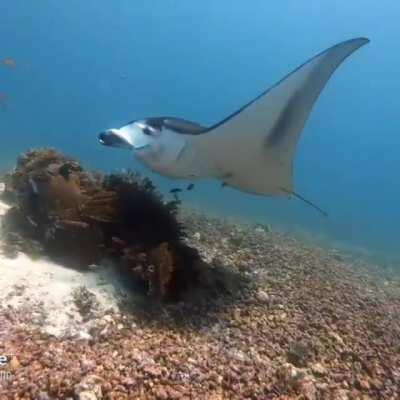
x=78 y=217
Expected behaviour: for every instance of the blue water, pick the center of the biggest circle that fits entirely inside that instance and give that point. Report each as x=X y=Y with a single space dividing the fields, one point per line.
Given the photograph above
x=83 y=66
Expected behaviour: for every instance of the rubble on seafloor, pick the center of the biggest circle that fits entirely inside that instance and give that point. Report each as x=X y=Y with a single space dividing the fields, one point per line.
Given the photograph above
x=281 y=319
x=77 y=217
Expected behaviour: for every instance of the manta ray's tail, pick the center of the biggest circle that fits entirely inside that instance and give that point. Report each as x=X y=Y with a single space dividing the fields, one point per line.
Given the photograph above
x=300 y=197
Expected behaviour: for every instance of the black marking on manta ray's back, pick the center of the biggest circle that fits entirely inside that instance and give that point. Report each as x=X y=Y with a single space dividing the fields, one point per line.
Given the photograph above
x=156 y=123
x=183 y=126
x=177 y=125
x=153 y=122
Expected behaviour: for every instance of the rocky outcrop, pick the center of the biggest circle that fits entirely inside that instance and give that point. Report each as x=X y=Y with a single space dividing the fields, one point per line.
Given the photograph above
x=77 y=217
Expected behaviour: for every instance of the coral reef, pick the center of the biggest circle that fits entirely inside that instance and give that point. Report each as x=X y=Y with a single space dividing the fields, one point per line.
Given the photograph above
x=58 y=207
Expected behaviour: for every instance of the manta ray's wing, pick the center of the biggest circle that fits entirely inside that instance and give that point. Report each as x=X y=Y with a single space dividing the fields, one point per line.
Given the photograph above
x=253 y=149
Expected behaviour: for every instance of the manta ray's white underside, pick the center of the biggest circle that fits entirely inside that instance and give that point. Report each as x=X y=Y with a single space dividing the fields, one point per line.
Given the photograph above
x=253 y=149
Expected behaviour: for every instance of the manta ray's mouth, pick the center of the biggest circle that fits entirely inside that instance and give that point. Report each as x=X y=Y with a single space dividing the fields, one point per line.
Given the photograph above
x=113 y=139
x=124 y=139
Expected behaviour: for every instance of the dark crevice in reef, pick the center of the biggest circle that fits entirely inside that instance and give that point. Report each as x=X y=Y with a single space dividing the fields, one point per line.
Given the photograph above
x=78 y=217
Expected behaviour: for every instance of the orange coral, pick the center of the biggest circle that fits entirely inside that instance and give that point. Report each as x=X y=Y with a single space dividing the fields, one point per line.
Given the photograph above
x=162 y=260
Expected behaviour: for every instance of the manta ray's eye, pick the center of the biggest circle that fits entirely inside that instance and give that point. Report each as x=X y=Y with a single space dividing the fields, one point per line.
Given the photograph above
x=146 y=130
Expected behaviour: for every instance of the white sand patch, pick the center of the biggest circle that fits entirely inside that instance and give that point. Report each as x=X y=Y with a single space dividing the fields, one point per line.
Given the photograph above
x=48 y=291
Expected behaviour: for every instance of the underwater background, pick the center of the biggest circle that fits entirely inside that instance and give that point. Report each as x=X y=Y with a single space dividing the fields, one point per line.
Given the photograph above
x=82 y=67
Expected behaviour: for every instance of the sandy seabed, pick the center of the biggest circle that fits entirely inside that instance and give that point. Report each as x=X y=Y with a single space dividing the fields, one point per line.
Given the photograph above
x=292 y=322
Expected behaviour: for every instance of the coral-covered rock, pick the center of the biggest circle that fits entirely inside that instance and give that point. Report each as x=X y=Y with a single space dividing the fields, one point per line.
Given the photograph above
x=77 y=217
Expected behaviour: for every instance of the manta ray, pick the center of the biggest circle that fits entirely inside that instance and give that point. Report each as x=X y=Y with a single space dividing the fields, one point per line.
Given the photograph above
x=251 y=150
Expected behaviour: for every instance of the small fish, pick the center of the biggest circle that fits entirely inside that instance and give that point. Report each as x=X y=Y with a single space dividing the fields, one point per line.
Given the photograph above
x=175 y=190
x=223 y=184
x=10 y=63
x=190 y=186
